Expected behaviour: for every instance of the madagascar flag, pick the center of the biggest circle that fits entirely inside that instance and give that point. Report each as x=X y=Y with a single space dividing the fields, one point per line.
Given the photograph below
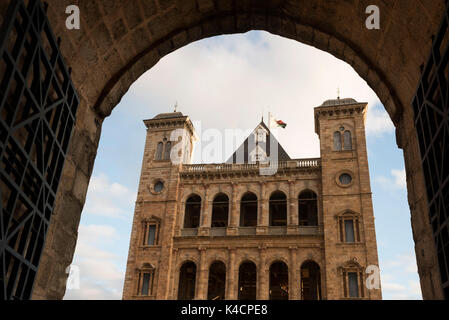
x=281 y=124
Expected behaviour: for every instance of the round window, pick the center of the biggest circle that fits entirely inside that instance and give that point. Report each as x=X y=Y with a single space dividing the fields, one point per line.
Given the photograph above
x=158 y=186
x=345 y=179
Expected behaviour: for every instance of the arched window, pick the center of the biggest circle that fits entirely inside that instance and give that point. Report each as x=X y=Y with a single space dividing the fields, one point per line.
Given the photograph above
x=220 y=211
x=192 y=212
x=308 y=208
x=217 y=281
x=160 y=146
x=278 y=209
x=310 y=281
x=167 y=151
x=248 y=210
x=337 y=141
x=347 y=140
x=279 y=281
x=247 y=281
x=187 y=279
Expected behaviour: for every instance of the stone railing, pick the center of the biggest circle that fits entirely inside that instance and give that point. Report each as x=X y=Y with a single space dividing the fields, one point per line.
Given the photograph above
x=276 y=231
x=247 y=231
x=191 y=232
x=252 y=231
x=225 y=167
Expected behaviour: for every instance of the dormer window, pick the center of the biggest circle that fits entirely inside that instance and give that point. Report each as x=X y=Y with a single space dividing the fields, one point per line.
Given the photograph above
x=261 y=135
x=258 y=155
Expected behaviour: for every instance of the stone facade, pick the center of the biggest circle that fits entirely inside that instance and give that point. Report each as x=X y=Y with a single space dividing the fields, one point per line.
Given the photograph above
x=294 y=243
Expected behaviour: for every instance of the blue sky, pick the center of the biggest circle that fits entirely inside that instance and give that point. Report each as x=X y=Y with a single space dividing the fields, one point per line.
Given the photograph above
x=229 y=82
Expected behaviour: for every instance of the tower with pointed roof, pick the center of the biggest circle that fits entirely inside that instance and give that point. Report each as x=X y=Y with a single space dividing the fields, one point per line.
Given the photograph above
x=259 y=226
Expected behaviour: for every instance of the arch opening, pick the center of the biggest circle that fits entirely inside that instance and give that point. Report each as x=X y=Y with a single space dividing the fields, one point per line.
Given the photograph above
x=310 y=281
x=248 y=210
x=220 y=211
x=326 y=42
x=217 y=281
x=192 y=212
x=279 y=281
x=187 y=280
x=308 y=208
x=247 y=281
x=278 y=209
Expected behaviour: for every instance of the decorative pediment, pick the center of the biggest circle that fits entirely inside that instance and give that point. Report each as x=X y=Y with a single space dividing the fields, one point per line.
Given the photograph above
x=260 y=146
x=347 y=213
x=152 y=218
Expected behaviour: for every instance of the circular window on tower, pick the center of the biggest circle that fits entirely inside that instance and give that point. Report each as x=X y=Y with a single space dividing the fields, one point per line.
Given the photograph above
x=157 y=187
x=344 y=179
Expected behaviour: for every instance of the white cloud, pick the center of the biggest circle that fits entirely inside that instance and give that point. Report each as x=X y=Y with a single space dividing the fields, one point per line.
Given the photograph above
x=378 y=121
x=400 y=179
x=109 y=199
x=231 y=81
x=100 y=278
x=403 y=262
x=398 y=291
x=397 y=180
x=400 y=278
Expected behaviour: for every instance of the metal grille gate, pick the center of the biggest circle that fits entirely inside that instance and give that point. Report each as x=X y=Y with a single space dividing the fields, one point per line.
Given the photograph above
x=431 y=107
x=38 y=104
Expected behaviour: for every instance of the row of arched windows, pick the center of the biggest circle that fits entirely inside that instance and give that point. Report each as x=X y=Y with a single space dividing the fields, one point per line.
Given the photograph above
x=163 y=150
x=307 y=210
x=247 y=281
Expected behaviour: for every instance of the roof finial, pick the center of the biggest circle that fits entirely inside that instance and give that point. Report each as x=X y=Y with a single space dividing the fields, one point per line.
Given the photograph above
x=176 y=106
x=338 y=93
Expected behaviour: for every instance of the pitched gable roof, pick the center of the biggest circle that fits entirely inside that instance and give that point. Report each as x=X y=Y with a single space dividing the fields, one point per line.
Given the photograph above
x=264 y=149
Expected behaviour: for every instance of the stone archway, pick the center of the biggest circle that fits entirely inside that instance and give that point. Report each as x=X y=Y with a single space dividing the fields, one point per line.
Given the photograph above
x=118 y=42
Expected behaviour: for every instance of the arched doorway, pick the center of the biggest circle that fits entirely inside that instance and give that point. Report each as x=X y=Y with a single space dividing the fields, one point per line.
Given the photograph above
x=279 y=281
x=217 y=281
x=247 y=281
x=187 y=280
x=310 y=281
x=278 y=209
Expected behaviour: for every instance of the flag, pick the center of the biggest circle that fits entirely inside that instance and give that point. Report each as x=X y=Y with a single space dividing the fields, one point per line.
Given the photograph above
x=281 y=124
x=273 y=123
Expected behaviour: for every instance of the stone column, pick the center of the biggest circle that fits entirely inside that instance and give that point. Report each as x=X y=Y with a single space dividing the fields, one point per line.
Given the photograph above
x=180 y=213
x=263 y=277
x=292 y=210
x=262 y=212
x=231 y=279
x=203 y=279
x=234 y=217
x=205 y=219
x=293 y=276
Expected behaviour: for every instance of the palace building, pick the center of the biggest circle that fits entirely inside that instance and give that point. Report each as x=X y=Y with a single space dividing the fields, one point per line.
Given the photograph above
x=260 y=226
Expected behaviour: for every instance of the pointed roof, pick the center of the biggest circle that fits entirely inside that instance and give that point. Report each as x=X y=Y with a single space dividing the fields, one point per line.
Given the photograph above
x=259 y=146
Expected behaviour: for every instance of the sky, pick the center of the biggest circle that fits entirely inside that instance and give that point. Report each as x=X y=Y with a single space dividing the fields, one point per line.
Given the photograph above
x=230 y=82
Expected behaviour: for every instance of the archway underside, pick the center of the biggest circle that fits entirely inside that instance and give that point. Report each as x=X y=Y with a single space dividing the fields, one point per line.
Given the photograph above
x=118 y=42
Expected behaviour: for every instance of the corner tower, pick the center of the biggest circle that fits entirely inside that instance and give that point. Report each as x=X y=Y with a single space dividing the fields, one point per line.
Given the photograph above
x=349 y=233
x=169 y=144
